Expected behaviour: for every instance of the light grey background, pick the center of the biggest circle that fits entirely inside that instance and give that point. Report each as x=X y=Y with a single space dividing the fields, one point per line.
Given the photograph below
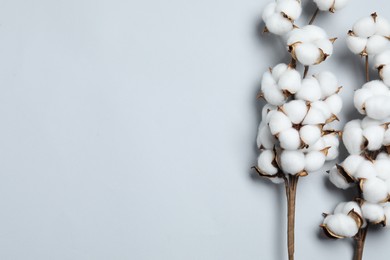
x=128 y=128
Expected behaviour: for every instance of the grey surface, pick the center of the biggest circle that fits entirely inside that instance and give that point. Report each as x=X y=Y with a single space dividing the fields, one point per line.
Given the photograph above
x=128 y=128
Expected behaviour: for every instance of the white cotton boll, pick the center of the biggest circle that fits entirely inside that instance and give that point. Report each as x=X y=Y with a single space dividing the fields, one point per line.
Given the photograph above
x=296 y=110
x=341 y=225
x=352 y=164
x=338 y=180
x=265 y=138
x=279 y=70
x=325 y=45
x=388 y=185
x=331 y=141
x=314 y=160
x=269 y=10
x=290 y=80
x=374 y=190
x=314 y=32
x=277 y=24
x=267 y=108
x=382 y=58
x=378 y=107
x=267 y=81
x=386 y=210
x=317 y=146
x=339 y=209
x=292 y=162
x=365 y=27
x=382 y=26
x=328 y=83
x=368 y=121
x=356 y=44
x=310 y=134
x=384 y=74
x=289 y=139
x=279 y=122
x=307 y=54
x=382 y=156
x=382 y=167
x=353 y=139
x=314 y=117
x=323 y=107
x=292 y=9
x=265 y=162
x=339 y=4
x=374 y=135
x=374 y=213
x=356 y=123
x=352 y=205
x=360 y=97
x=324 y=5
x=377 y=87
x=310 y=90
x=366 y=170
x=334 y=103
x=376 y=44
x=274 y=96
x=386 y=138
x=269 y=116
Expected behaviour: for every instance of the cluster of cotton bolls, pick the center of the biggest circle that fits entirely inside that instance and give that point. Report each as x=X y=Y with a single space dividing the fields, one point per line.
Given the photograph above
x=295 y=135
x=279 y=16
x=330 y=5
x=369 y=35
x=310 y=45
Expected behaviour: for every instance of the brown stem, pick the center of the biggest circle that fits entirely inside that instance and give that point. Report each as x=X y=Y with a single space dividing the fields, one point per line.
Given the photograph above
x=291 y=192
x=305 y=71
x=367 y=70
x=360 y=239
x=314 y=16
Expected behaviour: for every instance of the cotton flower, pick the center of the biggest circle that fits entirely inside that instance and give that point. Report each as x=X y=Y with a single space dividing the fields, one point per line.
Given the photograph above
x=369 y=35
x=279 y=16
x=331 y=5
x=279 y=83
x=309 y=45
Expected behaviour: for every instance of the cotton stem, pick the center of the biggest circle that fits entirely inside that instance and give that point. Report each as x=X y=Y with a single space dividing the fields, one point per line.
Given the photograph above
x=314 y=16
x=367 y=70
x=360 y=239
x=291 y=190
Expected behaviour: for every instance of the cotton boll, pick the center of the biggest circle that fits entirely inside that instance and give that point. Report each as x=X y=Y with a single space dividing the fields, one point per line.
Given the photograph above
x=334 y=103
x=278 y=71
x=386 y=138
x=366 y=170
x=374 y=190
x=279 y=122
x=356 y=44
x=292 y=9
x=323 y=107
x=374 y=135
x=353 y=139
x=289 y=139
x=374 y=213
x=292 y=162
x=352 y=164
x=310 y=90
x=328 y=83
x=382 y=58
x=324 y=5
x=314 y=160
x=314 y=32
x=269 y=10
x=382 y=167
x=360 y=97
x=376 y=44
x=382 y=156
x=296 y=110
x=365 y=27
x=317 y=146
x=325 y=45
x=307 y=54
x=314 y=117
x=368 y=121
x=356 y=123
x=265 y=138
x=384 y=74
x=278 y=24
x=341 y=225
x=351 y=205
x=265 y=162
x=290 y=80
x=339 y=209
x=382 y=26
x=332 y=141
x=378 y=107
x=273 y=95
x=377 y=87
x=310 y=134
x=337 y=179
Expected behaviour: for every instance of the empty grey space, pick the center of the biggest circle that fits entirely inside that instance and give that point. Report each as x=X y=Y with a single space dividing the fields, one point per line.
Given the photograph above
x=128 y=132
